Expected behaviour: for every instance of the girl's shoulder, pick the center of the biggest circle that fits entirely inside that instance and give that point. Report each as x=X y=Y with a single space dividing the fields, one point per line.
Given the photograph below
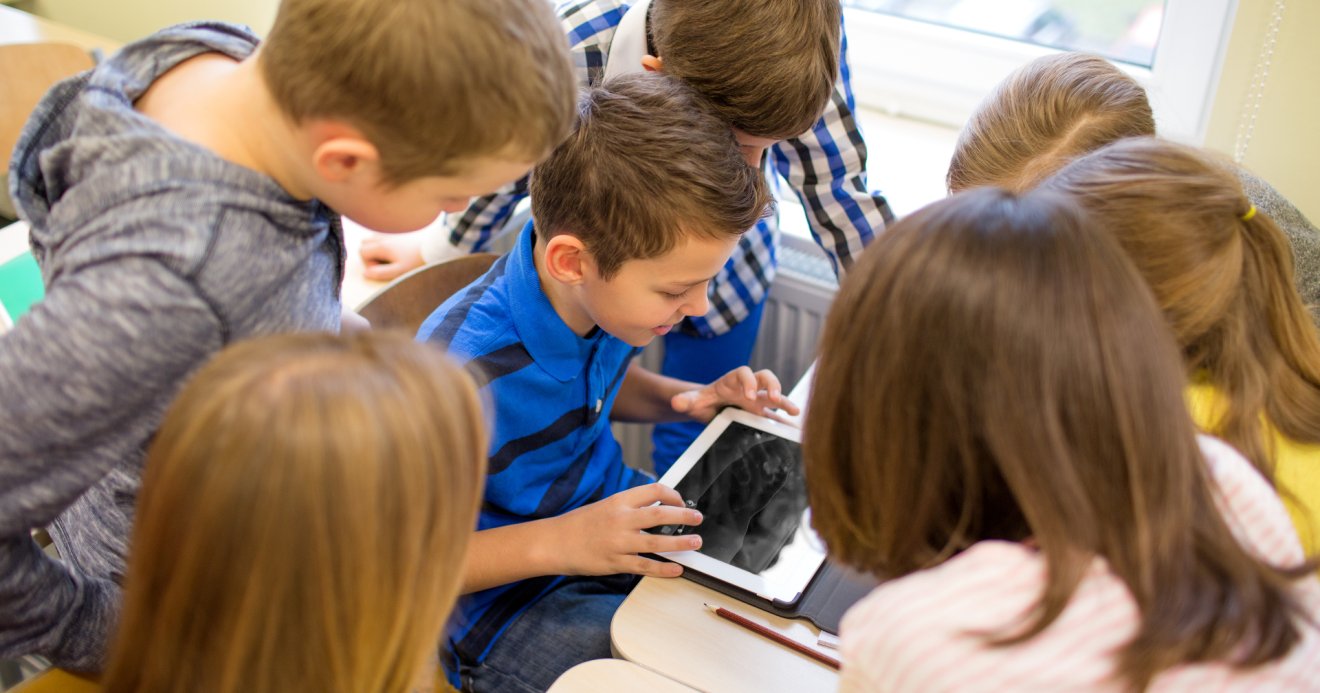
x=1250 y=505
x=934 y=629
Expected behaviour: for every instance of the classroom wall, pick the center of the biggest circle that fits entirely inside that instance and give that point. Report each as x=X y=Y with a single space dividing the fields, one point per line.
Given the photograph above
x=1285 y=146
x=125 y=20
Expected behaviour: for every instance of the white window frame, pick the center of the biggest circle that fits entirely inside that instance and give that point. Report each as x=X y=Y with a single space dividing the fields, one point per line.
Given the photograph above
x=929 y=72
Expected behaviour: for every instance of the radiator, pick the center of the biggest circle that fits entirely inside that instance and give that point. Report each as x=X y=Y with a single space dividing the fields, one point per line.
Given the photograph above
x=794 y=318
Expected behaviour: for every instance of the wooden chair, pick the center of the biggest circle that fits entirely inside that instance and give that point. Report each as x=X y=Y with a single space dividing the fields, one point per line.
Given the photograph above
x=30 y=70
x=407 y=301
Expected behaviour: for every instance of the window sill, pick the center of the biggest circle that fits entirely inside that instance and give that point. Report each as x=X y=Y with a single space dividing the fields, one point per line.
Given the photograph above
x=907 y=161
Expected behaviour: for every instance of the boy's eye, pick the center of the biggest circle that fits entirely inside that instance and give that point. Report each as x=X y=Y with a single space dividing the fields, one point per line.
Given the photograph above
x=680 y=294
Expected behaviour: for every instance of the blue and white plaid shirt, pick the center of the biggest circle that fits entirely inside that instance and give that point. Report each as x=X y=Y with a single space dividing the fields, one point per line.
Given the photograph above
x=826 y=167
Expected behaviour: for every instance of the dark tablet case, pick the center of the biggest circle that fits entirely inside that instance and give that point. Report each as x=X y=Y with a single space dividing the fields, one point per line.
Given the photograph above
x=829 y=594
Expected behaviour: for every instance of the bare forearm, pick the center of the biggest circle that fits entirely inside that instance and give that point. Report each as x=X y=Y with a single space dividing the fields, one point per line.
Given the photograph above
x=647 y=396
x=602 y=538
x=507 y=554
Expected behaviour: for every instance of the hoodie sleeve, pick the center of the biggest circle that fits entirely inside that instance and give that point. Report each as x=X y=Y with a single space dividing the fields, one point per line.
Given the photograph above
x=86 y=377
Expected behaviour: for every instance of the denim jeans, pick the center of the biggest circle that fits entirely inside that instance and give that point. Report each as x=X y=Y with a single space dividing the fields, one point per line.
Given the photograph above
x=569 y=626
x=700 y=360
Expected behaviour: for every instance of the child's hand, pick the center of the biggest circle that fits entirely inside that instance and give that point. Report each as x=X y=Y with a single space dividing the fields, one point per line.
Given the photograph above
x=605 y=537
x=386 y=256
x=757 y=392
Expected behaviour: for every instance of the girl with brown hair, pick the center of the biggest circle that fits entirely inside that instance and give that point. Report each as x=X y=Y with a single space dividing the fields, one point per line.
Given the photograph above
x=304 y=515
x=1222 y=272
x=1061 y=106
x=997 y=427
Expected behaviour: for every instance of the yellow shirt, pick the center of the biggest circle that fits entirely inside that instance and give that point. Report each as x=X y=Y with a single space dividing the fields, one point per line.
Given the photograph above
x=1296 y=467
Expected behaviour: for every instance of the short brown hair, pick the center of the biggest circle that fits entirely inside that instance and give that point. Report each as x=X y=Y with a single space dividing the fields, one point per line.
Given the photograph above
x=1223 y=275
x=1046 y=113
x=304 y=517
x=994 y=368
x=648 y=163
x=431 y=83
x=768 y=66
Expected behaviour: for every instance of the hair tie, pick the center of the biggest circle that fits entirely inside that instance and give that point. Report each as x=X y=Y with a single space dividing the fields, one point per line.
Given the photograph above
x=1251 y=214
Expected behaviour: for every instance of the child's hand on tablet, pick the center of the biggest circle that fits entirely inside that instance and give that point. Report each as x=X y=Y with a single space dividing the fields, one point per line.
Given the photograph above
x=605 y=537
x=758 y=393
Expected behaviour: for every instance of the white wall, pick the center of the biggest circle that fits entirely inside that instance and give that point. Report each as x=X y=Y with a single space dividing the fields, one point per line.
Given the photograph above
x=125 y=20
x=1285 y=147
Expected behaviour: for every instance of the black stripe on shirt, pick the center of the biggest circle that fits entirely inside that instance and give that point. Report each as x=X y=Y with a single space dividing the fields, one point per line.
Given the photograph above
x=817 y=207
x=552 y=503
x=723 y=309
x=454 y=319
x=757 y=270
x=571 y=421
x=496 y=364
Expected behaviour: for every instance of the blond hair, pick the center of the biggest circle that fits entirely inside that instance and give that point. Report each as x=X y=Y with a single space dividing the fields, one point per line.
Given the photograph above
x=649 y=163
x=1222 y=272
x=432 y=84
x=994 y=368
x=1046 y=113
x=305 y=511
x=767 y=66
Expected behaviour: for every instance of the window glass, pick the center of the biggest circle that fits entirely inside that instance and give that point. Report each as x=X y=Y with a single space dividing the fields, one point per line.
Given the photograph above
x=1125 y=30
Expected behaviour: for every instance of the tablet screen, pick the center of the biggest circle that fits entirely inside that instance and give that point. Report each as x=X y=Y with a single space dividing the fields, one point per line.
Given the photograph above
x=749 y=486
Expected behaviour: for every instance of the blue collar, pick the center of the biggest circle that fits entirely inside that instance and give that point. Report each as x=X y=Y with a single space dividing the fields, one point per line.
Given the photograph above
x=553 y=345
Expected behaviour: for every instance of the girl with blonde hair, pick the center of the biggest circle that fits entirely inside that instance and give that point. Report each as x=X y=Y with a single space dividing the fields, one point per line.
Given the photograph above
x=304 y=515
x=1222 y=272
x=1043 y=115
x=996 y=426
x=1061 y=106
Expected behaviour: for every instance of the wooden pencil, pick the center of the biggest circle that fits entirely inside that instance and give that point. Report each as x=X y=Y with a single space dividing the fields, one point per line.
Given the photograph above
x=772 y=635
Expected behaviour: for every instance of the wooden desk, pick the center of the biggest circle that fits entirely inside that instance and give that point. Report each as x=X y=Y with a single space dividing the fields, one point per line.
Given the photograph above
x=17 y=26
x=357 y=288
x=612 y=676
x=664 y=626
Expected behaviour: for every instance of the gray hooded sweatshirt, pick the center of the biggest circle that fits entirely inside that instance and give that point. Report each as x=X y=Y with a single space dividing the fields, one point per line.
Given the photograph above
x=155 y=254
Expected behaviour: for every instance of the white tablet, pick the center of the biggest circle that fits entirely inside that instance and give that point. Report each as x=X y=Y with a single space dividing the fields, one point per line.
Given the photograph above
x=744 y=473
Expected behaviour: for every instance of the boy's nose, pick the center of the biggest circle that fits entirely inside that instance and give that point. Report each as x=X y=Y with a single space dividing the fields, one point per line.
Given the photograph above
x=699 y=304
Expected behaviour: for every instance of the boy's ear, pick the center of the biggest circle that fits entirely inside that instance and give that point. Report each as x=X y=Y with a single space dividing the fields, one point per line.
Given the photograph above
x=566 y=259
x=340 y=150
x=651 y=63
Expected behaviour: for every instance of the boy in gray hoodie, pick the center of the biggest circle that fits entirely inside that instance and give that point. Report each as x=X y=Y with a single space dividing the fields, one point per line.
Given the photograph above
x=186 y=194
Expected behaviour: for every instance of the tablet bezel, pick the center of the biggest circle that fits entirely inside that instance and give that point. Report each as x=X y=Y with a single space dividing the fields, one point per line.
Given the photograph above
x=712 y=567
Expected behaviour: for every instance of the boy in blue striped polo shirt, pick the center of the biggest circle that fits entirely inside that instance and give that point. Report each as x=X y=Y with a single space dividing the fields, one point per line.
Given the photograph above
x=632 y=217
x=778 y=73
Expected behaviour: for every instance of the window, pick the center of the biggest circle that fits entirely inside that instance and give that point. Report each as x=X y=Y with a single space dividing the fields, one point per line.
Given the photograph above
x=1123 y=30
x=936 y=59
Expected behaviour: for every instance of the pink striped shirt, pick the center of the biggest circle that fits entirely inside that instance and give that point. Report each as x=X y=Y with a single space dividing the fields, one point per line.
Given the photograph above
x=919 y=633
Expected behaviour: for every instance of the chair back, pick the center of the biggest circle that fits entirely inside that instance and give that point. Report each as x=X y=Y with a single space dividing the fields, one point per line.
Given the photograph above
x=407 y=301
x=30 y=70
